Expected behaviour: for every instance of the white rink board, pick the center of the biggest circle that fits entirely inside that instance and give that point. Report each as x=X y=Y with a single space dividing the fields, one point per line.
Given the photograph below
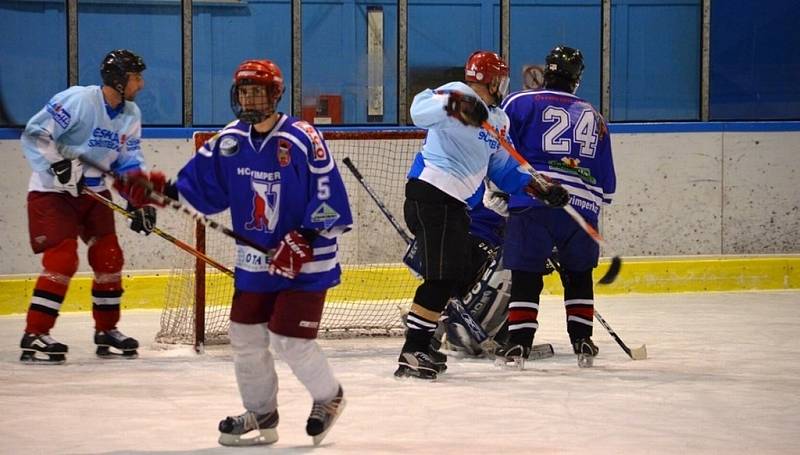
x=706 y=193
x=722 y=377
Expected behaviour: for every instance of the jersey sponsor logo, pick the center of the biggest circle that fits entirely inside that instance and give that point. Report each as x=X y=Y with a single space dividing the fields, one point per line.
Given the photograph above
x=260 y=175
x=584 y=204
x=284 y=157
x=308 y=324
x=325 y=214
x=59 y=114
x=264 y=213
x=569 y=165
x=316 y=140
x=229 y=146
x=251 y=260
x=103 y=138
x=489 y=139
x=134 y=144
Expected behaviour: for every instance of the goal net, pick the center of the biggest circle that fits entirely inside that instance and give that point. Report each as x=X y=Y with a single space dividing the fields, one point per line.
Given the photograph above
x=376 y=289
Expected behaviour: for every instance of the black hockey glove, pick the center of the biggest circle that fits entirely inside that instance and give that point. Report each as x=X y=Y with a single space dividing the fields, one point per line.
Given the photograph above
x=466 y=109
x=143 y=220
x=62 y=170
x=547 y=191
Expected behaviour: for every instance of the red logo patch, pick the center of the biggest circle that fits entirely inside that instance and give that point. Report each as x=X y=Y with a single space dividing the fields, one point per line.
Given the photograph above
x=284 y=157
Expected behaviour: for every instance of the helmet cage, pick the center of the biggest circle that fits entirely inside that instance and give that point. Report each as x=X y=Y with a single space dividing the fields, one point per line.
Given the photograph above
x=485 y=67
x=254 y=106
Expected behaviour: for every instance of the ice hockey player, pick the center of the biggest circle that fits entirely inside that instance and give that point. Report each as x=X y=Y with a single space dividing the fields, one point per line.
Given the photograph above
x=103 y=125
x=564 y=138
x=276 y=176
x=456 y=157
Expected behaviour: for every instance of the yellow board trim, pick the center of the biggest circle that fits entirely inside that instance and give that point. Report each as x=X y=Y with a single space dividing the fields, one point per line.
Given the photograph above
x=638 y=275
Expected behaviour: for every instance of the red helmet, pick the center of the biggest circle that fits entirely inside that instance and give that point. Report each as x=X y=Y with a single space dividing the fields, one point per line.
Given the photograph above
x=483 y=67
x=262 y=73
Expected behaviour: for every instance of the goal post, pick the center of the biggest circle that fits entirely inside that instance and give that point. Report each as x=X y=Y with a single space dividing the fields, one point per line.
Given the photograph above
x=376 y=289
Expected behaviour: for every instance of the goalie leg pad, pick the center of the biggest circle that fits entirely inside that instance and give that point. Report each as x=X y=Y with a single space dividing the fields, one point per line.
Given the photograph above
x=254 y=367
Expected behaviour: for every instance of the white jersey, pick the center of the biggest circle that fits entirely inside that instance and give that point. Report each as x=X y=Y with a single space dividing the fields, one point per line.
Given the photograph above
x=77 y=122
x=456 y=158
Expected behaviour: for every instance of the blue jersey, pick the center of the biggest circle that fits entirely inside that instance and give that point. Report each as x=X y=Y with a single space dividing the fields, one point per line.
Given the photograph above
x=564 y=138
x=286 y=182
x=456 y=158
x=487 y=225
x=77 y=122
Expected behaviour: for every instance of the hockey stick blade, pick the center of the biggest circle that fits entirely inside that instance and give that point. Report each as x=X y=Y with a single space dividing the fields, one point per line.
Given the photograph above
x=639 y=353
x=612 y=272
x=635 y=354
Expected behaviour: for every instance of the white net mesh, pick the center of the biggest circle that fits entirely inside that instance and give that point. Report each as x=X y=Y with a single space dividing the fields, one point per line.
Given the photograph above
x=375 y=290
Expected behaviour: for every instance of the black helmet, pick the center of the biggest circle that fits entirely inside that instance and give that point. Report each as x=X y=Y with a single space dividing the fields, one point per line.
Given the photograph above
x=116 y=66
x=563 y=68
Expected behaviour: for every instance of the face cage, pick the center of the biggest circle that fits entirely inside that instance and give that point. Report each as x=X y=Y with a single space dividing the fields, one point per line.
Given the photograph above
x=502 y=88
x=251 y=116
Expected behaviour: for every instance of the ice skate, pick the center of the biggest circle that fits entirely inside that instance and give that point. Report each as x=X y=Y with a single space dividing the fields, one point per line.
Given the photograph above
x=249 y=429
x=511 y=356
x=48 y=349
x=323 y=416
x=586 y=351
x=439 y=359
x=416 y=365
x=125 y=346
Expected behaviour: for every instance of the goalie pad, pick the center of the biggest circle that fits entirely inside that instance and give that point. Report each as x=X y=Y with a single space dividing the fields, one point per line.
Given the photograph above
x=412 y=259
x=486 y=304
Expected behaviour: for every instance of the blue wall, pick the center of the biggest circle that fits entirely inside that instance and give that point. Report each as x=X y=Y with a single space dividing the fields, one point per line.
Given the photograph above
x=655 y=52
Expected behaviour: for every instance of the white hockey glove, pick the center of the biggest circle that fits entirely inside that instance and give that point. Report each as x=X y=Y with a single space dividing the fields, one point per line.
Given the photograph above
x=67 y=175
x=496 y=201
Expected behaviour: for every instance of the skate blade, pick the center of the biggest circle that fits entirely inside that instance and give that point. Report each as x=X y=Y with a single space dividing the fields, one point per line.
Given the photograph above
x=31 y=358
x=541 y=351
x=317 y=440
x=104 y=352
x=514 y=363
x=585 y=360
x=406 y=372
x=259 y=437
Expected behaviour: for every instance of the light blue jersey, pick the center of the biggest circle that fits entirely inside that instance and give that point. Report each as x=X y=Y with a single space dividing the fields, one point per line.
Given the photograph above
x=77 y=122
x=455 y=158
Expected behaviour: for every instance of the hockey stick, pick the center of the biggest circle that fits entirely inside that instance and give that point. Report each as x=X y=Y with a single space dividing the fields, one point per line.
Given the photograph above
x=639 y=353
x=616 y=262
x=180 y=244
x=178 y=207
x=475 y=330
x=400 y=230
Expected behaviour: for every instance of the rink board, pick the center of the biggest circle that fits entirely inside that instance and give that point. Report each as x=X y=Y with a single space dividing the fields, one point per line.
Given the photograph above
x=638 y=275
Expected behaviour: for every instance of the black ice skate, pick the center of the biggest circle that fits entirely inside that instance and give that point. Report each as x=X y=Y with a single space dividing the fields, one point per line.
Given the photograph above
x=323 y=416
x=50 y=351
x=511 y=355
x=249 y=429
x=416 y=365
x=124 y=345
x=586 y=351
x=439 y=359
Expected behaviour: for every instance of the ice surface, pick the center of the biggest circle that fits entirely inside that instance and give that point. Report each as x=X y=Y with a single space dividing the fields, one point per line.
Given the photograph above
x=723 y=376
